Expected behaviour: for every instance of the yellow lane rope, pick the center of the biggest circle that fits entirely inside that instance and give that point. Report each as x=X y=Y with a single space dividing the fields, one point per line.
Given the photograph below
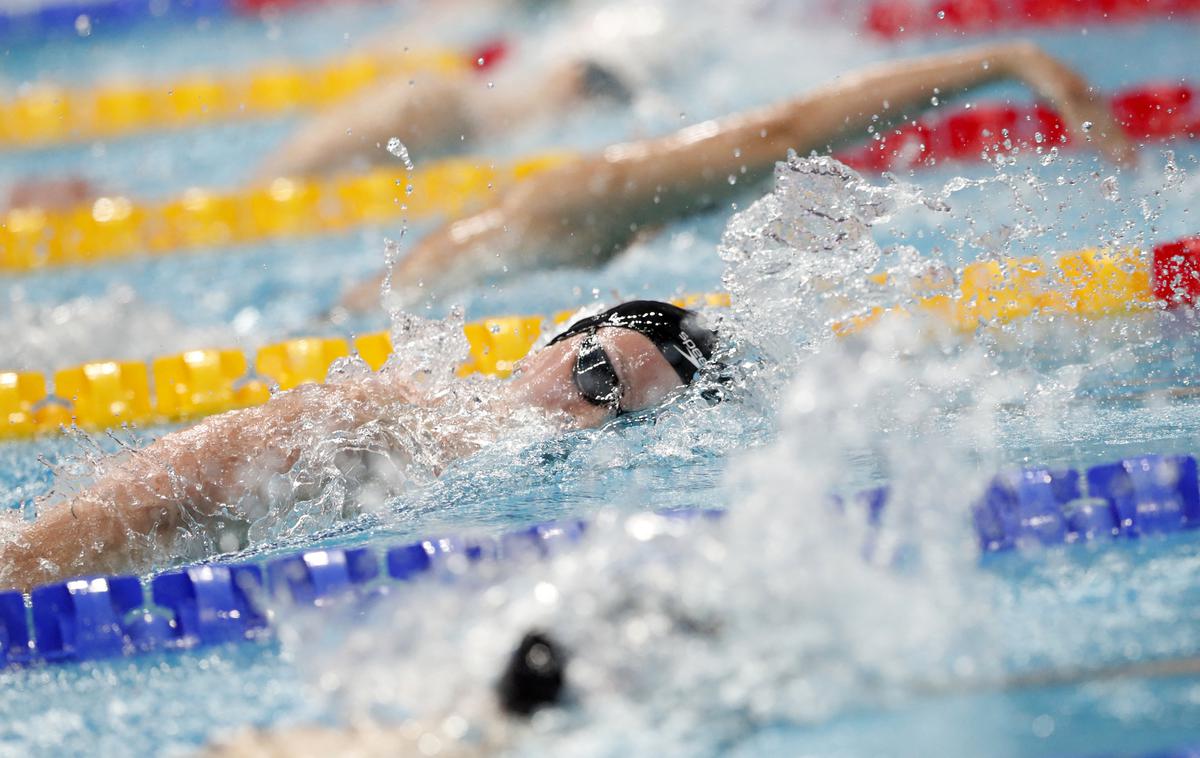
x=116 y=227
x=1085 y=283
x=196 y=383
x=44 y=114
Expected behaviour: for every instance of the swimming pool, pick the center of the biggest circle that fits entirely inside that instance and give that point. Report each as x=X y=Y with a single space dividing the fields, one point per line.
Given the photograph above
x=821 y=652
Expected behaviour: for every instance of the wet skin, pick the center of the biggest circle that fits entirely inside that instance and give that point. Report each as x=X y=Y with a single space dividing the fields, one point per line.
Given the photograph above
x=544 y=380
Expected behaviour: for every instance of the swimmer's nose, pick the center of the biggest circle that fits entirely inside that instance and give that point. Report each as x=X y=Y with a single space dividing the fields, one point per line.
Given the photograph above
x=534 y=675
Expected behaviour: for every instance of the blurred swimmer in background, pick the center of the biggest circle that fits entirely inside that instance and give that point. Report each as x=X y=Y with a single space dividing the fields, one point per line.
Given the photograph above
x=360 y=439
x=529 y=82
x=586 y=211
x=436 y=115
x=532 y=679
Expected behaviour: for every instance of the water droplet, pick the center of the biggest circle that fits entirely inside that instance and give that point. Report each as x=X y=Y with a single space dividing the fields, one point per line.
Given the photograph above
x=941 y=15
x=1110 y=189
x=83 y=25
x=1087 y=126
x=934 y=101
x=397 y=148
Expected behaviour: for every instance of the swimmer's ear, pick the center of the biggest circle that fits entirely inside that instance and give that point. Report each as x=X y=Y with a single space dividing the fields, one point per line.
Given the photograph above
x=715 y=382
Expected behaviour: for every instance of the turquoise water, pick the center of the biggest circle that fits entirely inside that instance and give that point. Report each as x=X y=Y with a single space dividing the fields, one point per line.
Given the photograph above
x=1044 y=611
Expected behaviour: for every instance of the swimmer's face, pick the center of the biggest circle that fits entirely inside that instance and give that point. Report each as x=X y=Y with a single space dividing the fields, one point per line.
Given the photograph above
x=545 y=380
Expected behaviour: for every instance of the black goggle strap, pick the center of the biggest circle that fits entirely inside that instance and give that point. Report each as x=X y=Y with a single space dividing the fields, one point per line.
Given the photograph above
x=595 y=376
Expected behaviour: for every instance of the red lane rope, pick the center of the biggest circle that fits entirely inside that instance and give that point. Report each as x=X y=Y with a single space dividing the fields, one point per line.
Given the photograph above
x=1147 y=114
x=488 y=54
x=899 y=18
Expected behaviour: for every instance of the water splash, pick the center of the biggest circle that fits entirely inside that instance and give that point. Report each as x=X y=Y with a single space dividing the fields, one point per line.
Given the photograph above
x=688 y=638
x=116 y=325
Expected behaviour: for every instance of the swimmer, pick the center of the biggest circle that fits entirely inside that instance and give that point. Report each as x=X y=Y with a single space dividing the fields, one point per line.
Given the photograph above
x=584 y=212
x=430 y=116
x=534 y=678
x=207 y=483
x=436 y=115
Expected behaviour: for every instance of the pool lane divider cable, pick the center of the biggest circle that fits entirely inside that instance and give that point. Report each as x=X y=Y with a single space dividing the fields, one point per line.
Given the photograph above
x=94 y=618
x=44 y=114
x=1147 y=113
x=117 y=227
x=900 y=19
x=55 y=18
x=1088 y=283
x=196 y=383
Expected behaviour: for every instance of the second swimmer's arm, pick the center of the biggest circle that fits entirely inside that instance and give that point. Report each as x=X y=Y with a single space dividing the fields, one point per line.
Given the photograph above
x=427 y=115
x=585 y=210
x=704 y=156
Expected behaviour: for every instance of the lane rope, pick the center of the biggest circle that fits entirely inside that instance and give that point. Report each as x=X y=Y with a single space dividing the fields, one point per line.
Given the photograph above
x=1147 y=113
x=96 y=618
x=116 y=228
x=45 y=114
x=56 y=18
x=1086 y=283
x=196 y=383
x=899 y=19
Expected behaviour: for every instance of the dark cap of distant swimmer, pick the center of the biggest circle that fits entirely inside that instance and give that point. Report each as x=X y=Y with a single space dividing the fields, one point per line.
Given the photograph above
x=534 y=675
x=677 y=332
x=599 y=82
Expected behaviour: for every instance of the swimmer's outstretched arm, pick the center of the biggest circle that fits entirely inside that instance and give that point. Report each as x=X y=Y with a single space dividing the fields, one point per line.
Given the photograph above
x=428 y=115
x=193 y=479
x=583 y=212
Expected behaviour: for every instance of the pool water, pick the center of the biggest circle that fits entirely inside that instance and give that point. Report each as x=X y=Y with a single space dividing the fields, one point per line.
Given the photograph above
x=822 y=646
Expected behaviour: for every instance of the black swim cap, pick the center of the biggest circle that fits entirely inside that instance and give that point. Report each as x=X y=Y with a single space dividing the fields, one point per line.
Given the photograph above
x=534 y=675
x=676 y=332
x=600 y=82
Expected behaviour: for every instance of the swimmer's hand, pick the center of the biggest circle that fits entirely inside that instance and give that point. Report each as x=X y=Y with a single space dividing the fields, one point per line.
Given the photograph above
x=1084 y=108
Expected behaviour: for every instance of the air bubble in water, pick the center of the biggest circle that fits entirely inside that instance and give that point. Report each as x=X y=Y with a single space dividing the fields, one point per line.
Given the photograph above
x=397 y=148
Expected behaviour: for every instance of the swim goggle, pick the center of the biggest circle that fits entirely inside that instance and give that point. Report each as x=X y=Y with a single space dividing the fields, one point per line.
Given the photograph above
x=595 y=376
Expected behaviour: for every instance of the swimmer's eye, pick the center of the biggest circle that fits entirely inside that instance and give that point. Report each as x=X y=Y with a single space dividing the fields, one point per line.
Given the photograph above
x=595 y=376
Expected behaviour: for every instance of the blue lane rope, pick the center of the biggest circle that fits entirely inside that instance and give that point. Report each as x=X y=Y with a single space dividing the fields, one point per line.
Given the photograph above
x=102 y=617
x=62 y=17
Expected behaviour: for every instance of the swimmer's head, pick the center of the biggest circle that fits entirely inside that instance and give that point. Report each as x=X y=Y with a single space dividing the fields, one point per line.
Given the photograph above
x=585 y=81
x=600 y=82
x=533 y=677
x=625 y=359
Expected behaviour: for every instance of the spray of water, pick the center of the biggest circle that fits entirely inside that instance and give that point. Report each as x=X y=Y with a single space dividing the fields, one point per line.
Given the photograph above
x=687 y=637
